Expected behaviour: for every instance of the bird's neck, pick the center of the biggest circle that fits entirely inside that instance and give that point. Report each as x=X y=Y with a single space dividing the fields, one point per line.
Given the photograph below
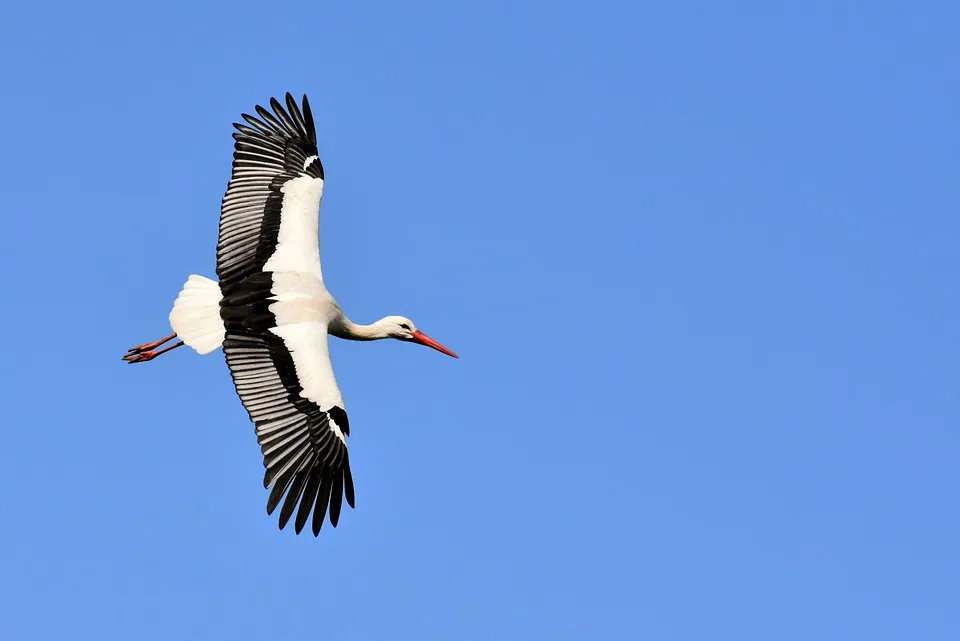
x=343 y=327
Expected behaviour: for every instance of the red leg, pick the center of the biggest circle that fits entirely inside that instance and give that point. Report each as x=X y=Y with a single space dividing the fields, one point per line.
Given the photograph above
x=149 y=346
x=144 y=353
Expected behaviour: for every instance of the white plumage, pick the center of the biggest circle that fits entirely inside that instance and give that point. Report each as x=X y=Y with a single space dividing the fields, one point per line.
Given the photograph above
x=195 y=316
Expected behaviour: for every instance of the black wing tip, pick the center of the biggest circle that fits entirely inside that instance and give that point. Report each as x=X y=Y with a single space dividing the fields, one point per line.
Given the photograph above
x=348 y=481
x=292 y=121
x=297 y=114
x=308 y=120
x=327 y=511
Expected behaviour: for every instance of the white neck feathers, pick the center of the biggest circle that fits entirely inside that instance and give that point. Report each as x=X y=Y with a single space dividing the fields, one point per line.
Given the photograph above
x=343 y=327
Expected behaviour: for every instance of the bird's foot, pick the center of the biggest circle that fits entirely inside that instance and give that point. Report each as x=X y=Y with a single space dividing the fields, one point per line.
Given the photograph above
x=137 y=356
x=145 y=352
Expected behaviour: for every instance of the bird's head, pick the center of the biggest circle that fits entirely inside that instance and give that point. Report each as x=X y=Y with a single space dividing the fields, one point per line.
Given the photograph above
x=403 y=329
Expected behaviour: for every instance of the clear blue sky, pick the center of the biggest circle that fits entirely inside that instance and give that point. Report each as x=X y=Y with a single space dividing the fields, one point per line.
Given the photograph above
x=699 y=260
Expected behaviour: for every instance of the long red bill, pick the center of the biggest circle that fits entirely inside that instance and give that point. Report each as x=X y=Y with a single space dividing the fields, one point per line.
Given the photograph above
x=423 y=339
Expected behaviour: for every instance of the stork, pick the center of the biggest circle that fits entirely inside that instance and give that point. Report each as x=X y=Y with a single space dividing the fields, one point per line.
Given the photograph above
x=271 y=313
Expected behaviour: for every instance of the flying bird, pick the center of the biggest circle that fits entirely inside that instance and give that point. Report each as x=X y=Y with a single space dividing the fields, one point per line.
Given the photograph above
x=271 y=313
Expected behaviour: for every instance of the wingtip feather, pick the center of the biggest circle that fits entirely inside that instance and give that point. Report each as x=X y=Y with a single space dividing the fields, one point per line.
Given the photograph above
x=348 y=484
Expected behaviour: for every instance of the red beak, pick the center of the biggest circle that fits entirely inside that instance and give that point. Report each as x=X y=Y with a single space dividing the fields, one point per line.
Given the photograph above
x=423 y=339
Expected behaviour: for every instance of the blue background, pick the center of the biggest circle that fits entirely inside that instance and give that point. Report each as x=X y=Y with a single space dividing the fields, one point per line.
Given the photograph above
x=699 y=260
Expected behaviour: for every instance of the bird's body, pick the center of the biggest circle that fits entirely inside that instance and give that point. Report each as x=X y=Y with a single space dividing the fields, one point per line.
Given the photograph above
x=272 y=314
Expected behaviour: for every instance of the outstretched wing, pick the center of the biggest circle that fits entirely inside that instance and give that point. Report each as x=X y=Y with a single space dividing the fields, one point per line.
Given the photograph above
x=275 y=311
x=269 y=218
x=282 y=372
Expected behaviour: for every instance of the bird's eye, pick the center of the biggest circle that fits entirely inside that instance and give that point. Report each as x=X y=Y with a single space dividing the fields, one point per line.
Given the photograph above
x=405 y=326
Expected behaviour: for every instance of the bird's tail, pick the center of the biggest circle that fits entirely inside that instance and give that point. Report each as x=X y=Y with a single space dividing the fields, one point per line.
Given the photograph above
x=195 y=316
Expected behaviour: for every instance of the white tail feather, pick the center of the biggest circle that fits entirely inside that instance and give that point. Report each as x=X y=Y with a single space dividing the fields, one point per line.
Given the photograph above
x=195 y=316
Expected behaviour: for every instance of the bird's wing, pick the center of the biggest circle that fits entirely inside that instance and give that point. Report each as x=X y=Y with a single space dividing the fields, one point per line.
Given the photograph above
x=270 y=215
x=277 y=352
